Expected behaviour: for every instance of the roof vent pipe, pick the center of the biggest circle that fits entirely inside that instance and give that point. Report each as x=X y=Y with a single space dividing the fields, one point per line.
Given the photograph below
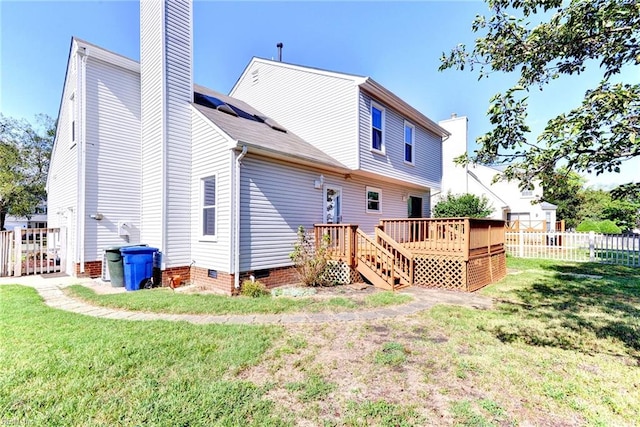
x=280 y=46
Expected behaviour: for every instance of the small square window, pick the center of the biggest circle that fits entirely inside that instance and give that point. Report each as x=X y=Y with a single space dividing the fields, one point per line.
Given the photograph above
x=377 y=128
x=527 y=193
x=374 y=202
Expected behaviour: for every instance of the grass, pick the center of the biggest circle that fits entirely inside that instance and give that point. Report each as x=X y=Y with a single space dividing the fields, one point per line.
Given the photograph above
x=59 y=368
x=164 y=300
x=560 y=347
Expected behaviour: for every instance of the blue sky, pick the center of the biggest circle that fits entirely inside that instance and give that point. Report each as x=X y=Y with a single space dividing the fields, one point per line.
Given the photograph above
x=396 y=43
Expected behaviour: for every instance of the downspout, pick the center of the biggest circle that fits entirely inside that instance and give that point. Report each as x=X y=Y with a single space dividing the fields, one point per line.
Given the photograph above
x=82 y=145
x=236 y=240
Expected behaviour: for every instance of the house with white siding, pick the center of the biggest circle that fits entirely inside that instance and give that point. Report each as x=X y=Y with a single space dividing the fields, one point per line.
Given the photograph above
x=508 y=201
x=221 y=183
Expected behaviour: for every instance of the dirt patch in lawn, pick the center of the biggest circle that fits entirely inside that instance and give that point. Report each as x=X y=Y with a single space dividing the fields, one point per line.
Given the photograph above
x=413 y=366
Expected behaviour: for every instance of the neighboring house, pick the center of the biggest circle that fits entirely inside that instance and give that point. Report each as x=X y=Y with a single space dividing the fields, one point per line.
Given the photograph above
x=37 y=220
x=507 y=200
x=221 y=183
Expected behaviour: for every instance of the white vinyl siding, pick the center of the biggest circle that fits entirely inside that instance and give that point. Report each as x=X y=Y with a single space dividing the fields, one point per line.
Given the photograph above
x=276 y=198
x=319 y=108
x=179 y=94
x=62 y=181
x=152 y=125
x=112 y=173
x=377 y=128
x=166 y=128
x=427 y=149
x=211 y=157
x=72 y=119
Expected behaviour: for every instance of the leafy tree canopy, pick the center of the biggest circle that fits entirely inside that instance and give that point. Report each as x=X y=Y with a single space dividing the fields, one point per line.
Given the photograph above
x=598 y=135
x=24 y=162
x=563 y=188
x=462 y=205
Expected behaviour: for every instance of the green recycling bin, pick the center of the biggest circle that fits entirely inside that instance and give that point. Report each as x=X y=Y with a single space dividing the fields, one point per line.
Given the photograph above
x=116 y=265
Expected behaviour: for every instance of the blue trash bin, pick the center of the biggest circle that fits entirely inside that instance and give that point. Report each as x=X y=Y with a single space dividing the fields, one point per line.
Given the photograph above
x=138 y=266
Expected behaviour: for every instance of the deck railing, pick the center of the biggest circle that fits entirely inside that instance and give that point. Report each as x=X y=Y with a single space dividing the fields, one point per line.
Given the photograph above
x=341 y=240
x=429 y=235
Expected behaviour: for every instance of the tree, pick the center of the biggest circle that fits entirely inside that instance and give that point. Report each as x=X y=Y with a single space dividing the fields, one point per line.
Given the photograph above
x=462 y=205
x=598 y=135
x=24 y=162
x=563 y=188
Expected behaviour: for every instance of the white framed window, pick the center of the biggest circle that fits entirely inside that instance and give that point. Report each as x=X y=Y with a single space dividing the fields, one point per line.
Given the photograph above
x=409 y=143
x=72 y=119
x=208 y=202
x=374 y=200
x=527 y=193
x=377 y=127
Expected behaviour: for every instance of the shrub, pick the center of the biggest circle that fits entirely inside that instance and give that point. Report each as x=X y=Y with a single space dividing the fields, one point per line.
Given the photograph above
x=310 y=262
x=609 y=227
x=253 y=289
x=462 y=205
x=588 y=225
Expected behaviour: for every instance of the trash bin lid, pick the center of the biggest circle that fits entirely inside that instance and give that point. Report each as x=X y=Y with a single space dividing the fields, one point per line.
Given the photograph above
x=137 y=250
x=117 y=248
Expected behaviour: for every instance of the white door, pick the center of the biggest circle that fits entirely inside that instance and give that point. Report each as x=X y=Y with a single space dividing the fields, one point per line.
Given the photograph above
x=332 y=205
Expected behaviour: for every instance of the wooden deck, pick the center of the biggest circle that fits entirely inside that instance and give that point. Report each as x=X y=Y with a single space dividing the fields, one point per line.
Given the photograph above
x=452 y=253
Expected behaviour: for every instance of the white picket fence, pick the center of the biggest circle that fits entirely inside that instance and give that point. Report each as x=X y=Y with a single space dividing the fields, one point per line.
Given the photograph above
x=575 y=246
x=25 y=251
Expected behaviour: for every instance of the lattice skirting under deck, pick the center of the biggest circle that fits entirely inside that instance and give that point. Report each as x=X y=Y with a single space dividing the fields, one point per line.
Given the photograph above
x=451 y=272
x=339 y=272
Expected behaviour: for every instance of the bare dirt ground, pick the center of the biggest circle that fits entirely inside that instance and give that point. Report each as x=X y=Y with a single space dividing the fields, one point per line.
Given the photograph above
x=346 y=356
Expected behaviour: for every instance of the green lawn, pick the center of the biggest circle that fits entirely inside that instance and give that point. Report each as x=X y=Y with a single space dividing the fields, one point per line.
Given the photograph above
x=164 y=300
x=559 y=348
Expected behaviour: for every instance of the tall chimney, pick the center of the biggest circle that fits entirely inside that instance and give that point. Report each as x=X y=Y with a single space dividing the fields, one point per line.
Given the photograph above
x=166 y=85
x=280 y=46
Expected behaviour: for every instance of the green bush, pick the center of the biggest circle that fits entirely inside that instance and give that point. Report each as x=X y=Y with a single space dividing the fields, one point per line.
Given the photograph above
x=310 y=262
x=253 y=289
x=588 y=225
x=462 y=205
x=609 y=227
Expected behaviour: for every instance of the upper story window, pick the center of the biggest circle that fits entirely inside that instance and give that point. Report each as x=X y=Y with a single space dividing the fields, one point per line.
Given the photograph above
x=527 y=193
x=209 y=207
x=374 y=202
x=409 y=142
x=72 y=118
x=377 y=127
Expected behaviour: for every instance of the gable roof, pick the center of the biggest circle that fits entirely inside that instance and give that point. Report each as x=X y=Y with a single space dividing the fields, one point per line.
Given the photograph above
x=367 y=84
x=263 y=134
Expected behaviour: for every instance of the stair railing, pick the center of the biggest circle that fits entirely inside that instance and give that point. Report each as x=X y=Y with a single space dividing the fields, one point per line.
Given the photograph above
x=375 y=257
x=404 y=260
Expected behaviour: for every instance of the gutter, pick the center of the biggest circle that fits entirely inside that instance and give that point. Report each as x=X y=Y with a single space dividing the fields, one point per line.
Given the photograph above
x=236 y=240
x=82 y=152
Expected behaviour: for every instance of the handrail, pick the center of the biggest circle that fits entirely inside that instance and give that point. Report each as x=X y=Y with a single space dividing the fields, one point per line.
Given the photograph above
x=371 y=253
x=341 y=240
x=403 y=257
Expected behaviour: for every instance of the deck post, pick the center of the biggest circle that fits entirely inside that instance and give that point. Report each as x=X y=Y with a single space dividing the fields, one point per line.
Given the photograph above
x=17 y=254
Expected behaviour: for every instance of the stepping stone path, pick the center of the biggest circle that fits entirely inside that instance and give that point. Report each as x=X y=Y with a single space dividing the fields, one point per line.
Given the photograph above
x=50 y=288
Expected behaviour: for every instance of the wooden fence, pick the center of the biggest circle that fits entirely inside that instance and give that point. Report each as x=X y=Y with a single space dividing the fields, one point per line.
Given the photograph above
x=25 y=251
x=575 y=246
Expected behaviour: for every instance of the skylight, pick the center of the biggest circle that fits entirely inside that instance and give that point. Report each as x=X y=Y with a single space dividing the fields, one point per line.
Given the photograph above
x=217 y=104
